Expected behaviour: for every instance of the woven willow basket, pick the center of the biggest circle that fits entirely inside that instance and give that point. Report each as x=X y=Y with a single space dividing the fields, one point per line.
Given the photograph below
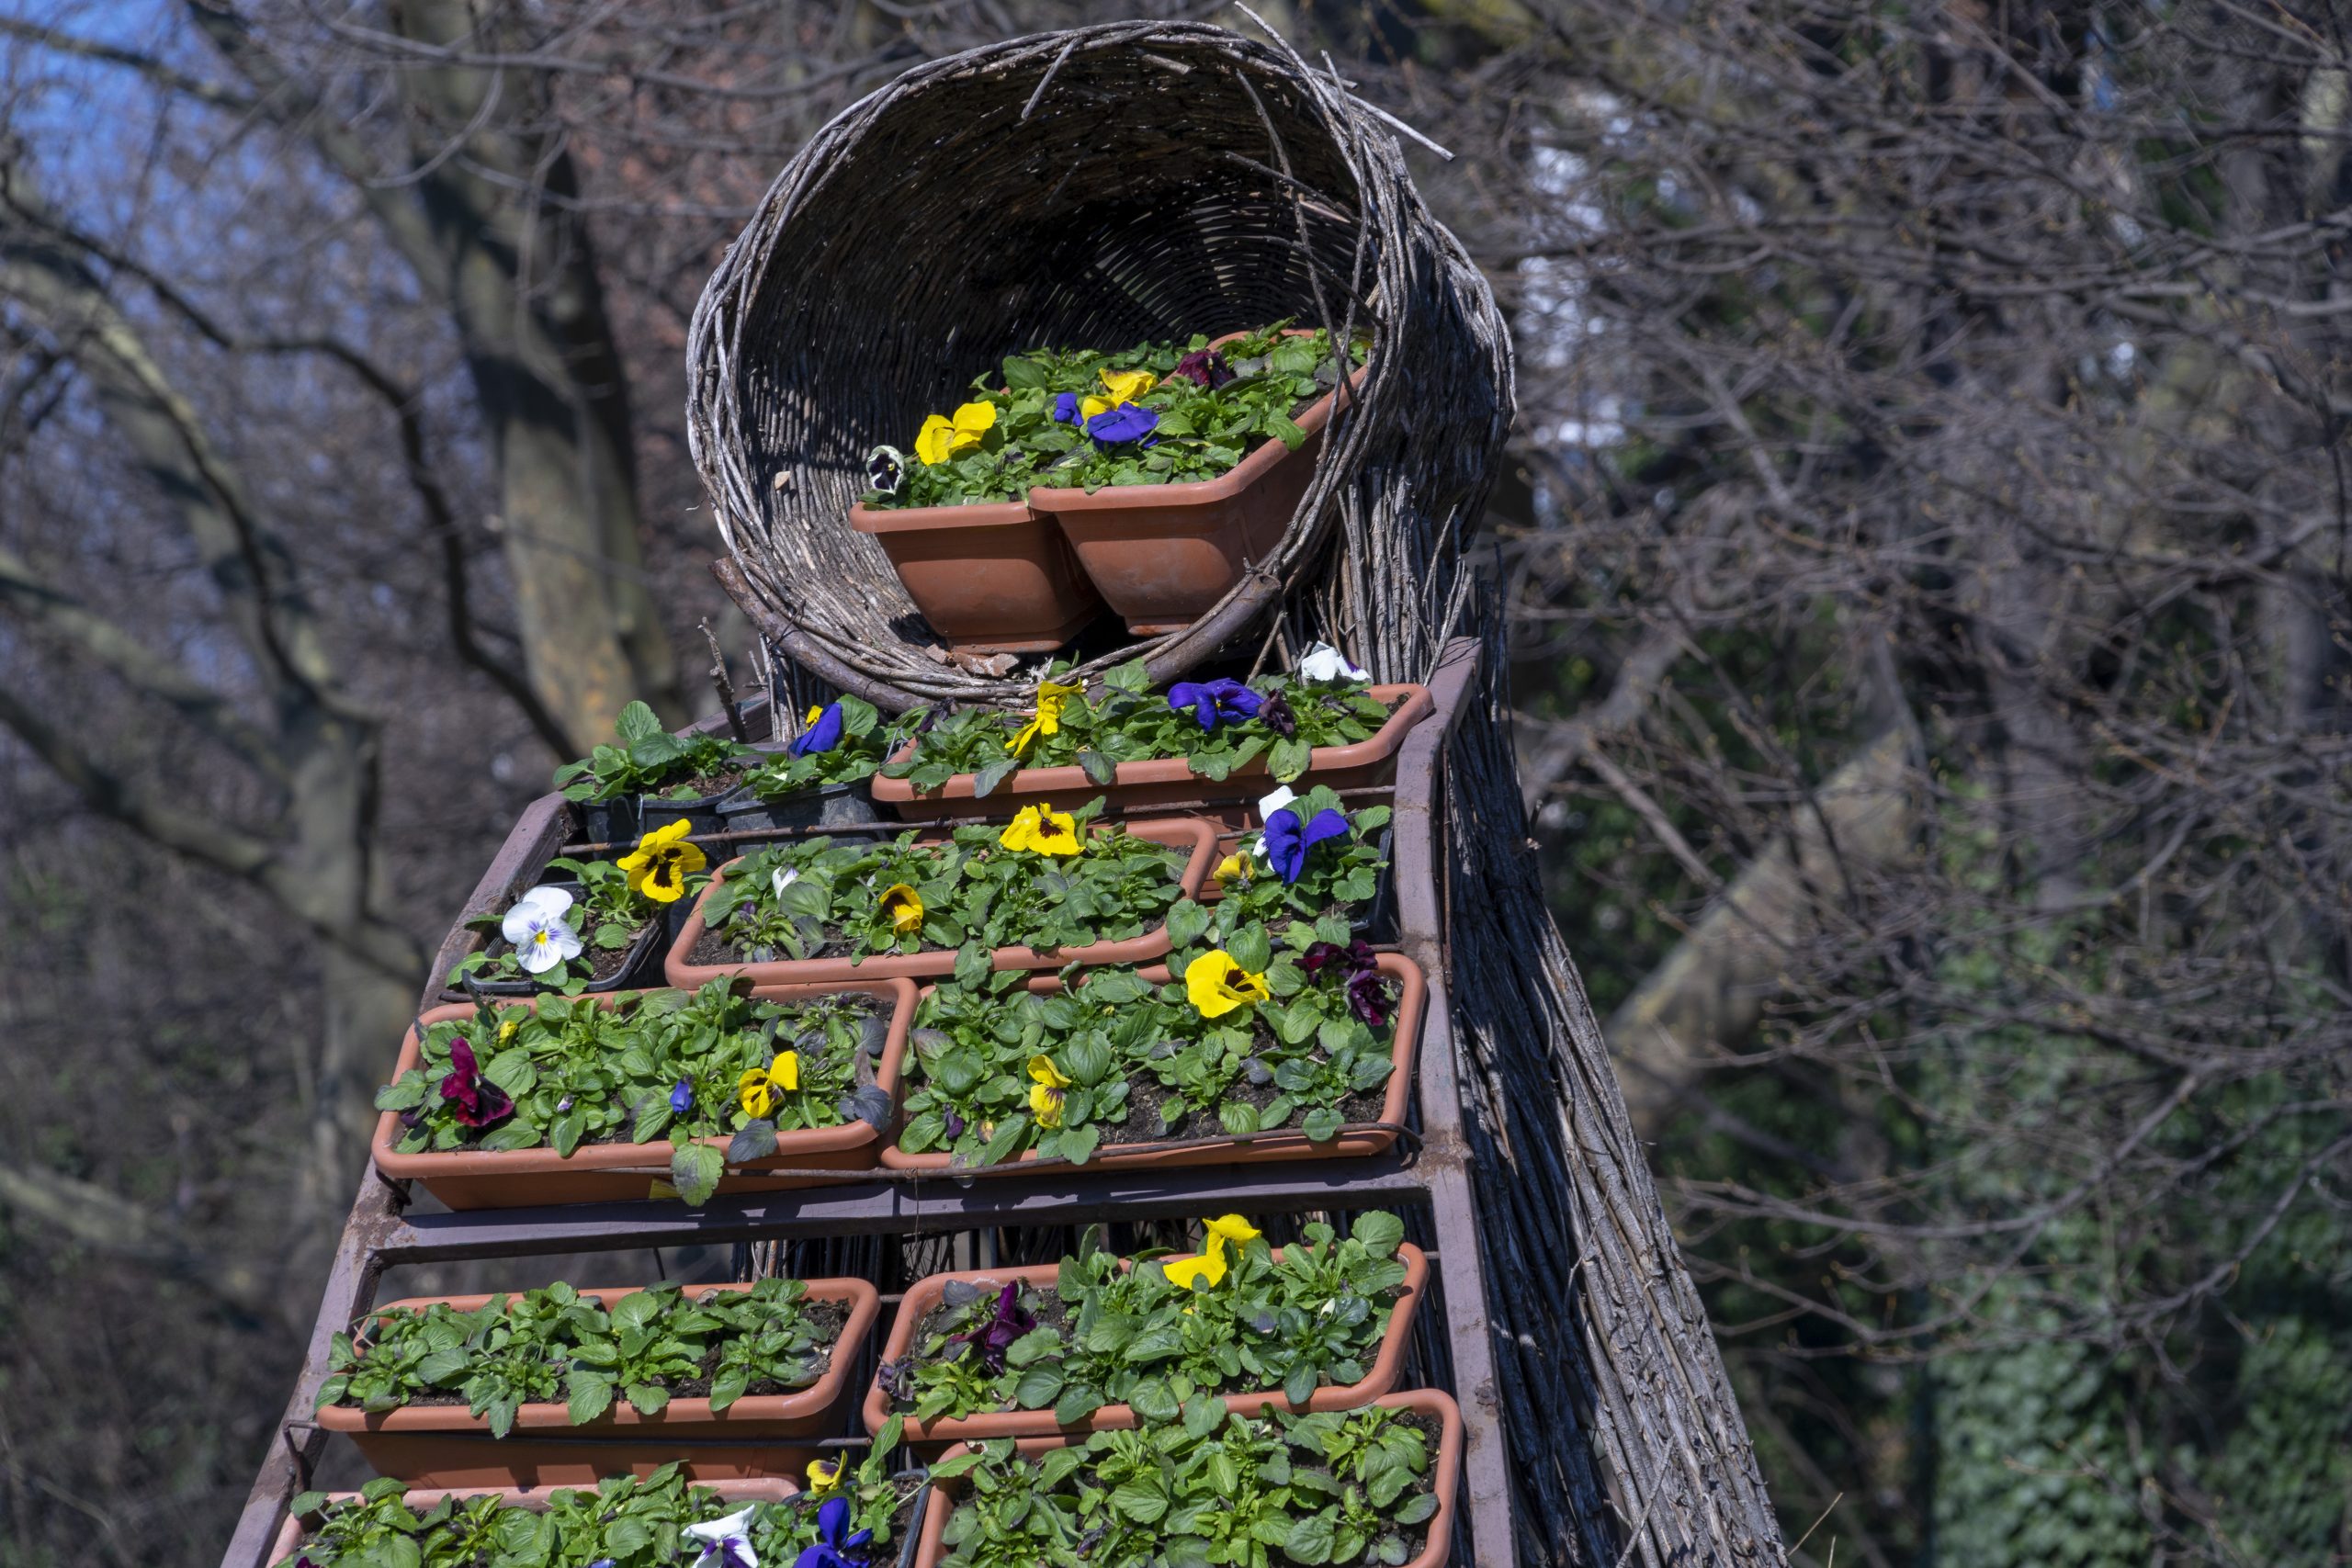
x=1094 y=188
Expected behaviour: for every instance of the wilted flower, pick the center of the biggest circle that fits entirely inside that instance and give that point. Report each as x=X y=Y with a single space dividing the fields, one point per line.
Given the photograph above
x=993 y=1338
x=1042 y=828
x=1287 y=838
x=1217 y=984
x=943 y=437
x=1368 y=989
x=1051 y=696
x=473 y=1099
x=759 y=1089
x=659 y=866
x=1214 y=702
x=822 y=731
x=1048 y=1090
x=1203 y=366
x=536 y=929
x=1323 y=664
x=886 y=469
x=1275 y=713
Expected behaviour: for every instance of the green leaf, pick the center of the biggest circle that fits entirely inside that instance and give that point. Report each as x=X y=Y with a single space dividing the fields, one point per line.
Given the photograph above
x=1023 y=373
x=1288 y=760
x=1250 y=949
x=1203 y=1413
x=590 y=1395
x=1379 y=1230
x=753 y=1140
x=1076 y=1403
x=1137 y=1498
x=637 y=722
x=1309 y=1540
x=1187 y=924
x=985 y=782
x=441 y=1366
x=728 y=1387
x=694 y=1170
x=1417 y=1508
x=1039 y=1386
x=1099 y=767
x=1153 y=1401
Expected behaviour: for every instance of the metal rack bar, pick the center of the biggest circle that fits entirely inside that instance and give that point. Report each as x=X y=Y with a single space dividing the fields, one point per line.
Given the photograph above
x=1429 y=1171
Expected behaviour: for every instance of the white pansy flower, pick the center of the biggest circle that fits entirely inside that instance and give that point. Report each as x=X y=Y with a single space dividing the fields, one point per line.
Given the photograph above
x=727 y=1543
x=1323 y=664
x=538 y=932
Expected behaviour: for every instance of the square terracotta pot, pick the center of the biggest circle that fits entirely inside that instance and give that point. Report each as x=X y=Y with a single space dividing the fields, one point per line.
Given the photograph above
x=1247 y=1149
x=1153 y=782
x=1197 y=838
x=1446 y=1475
x=605 y=1173
x=923 y=1297
x=446 y=1445
x=995 y=578
x=1161 y=556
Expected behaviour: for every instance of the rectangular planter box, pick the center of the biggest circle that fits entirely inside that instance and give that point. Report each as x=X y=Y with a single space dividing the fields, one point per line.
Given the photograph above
x=1251 y=1148
x=1445 y=1473
x=1197 y=838
x=924 y=1296
x=444 y=1445
x=1161 y=556
x=641 y=967
x=761 y=1489
x=1157 y=781
x=994 y=577
x=602 y=1173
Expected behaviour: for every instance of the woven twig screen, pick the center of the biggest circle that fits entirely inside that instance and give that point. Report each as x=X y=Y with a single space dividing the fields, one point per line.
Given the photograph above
x=1153 y=180
x=1090 y=188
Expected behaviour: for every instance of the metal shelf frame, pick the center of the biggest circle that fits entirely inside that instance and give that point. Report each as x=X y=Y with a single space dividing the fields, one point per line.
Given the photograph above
x=1428 y=1171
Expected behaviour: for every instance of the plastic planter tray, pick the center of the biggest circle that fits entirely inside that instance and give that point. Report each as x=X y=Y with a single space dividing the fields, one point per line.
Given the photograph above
x=994 y=576
x=1162 y=556
x=444 y=1445
x=642 y=965
x=761 y=1489
x=1249 y=1148
x=924 y=1296
x=478 y=1179
x=1445 y=1473
x=1157 y=781
x=1198 y=838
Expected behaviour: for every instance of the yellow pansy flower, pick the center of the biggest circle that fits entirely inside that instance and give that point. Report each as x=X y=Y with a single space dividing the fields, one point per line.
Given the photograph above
x=944 y=437
x=1210 y=1267
x=1234 y=867
x=1217 y=984
x=823 y=1476
x=1233 y=1230
x=1123 y=387
x=506 y=1031
x=904 y=906
x=1042 y=828
x=1051 y=696
x=659 y=866
x=1047 y=1087
x=758 y=1090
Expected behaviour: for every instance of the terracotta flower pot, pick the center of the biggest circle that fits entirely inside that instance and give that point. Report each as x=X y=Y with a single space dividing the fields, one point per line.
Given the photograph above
x=1198 y=839
x=761 y=1489
x=444 y=1445
x=1249 y=1148
x=1157 y=781
x=923 y=1297
x=1446 y=1475
x=993 y=577
x=1162 y=555
x=604 y=1173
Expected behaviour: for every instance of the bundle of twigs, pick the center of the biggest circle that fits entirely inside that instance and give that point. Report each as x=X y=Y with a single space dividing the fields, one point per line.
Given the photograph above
x=1151 y=180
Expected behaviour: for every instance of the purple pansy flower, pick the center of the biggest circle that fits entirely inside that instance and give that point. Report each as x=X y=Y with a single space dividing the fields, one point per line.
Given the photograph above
x=1214 y=702
x=1203 y=366
x=1368 y=996
x=993 y=1338
x=477 y=1101
x=681 y=1097
x=836 y=1546
x=1287 y=838
x=823 y=736
x=1129 y=421
x=1065 y=409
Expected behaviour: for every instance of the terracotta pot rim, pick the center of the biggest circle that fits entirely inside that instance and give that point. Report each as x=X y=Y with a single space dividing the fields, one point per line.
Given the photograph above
x=679 y=1417
x=972 y=515
x=1445 y=1473
x=653 y=1159
x=925 y=1293
x=1176 y=833
x=1283 y=1143
x=1411 y=702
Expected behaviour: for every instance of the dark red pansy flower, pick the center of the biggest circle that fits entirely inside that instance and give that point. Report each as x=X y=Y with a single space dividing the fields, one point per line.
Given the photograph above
x=476 y=1101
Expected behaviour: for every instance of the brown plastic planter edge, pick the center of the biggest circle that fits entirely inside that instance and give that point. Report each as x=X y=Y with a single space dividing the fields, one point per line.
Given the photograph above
x=925 y=1294
x=421 y=1460
x=479 y=1179
x=1446 y=1475
x=1156 y=781
x=1174 y=832
x=751 y=1489
x=1247 y=1149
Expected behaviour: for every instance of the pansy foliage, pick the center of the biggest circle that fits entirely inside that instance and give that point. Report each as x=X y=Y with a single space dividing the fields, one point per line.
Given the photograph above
x=1157 y=413
x=840 y=743
x=979 y=888
x=1114 y=1331
x=600 y=909
x=1280 y=719
x=645 y=759
x=1204 y=1486
x=658 y=1520
x=558 y=1344
x=1280 y=1046
x=579 y=1072
x=1314 y=857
